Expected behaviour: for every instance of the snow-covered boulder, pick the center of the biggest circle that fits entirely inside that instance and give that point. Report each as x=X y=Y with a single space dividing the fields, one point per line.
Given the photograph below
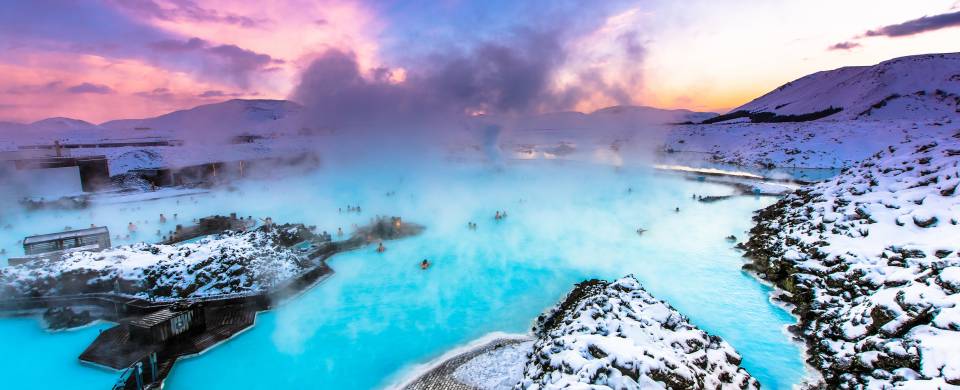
x=870 y=261
x=227 y=263
x=616 y=335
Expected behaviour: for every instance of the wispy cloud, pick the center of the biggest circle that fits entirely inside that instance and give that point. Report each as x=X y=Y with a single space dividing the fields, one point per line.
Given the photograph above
x=213 y=93
x=184 y=10
x=238 y=63
x=847 y=45
x=52 y=86
x=90 y=88
x=917 y=26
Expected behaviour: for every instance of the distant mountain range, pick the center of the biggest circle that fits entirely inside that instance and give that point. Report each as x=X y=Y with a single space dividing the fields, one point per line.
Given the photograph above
x=914 y=87
x=236 y=116
x=239 y=116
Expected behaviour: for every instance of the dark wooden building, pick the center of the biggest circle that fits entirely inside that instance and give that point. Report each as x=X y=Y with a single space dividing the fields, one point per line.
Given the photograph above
x=168 y=323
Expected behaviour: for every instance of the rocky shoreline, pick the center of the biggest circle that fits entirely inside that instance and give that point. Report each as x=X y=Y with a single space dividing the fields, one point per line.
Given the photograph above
x=601 y=335
x=616 y=334
x=868 y=262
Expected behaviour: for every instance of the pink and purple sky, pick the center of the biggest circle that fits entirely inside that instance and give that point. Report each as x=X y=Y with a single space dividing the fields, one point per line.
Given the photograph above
x=111 y=59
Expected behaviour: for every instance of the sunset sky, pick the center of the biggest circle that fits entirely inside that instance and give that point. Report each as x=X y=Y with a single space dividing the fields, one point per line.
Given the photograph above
x=111 y=59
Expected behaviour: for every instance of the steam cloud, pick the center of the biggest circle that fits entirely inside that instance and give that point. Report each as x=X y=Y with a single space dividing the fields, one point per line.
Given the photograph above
x=515 y=76
x=492 y=78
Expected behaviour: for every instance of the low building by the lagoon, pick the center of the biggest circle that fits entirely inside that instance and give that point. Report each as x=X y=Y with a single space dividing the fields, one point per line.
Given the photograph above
x=53 y=245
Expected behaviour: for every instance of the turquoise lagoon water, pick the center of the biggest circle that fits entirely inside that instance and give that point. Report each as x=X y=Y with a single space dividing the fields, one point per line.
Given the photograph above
x=379 y=315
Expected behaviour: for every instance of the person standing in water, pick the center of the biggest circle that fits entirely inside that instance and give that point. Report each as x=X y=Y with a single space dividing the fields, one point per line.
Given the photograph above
x=381 y=248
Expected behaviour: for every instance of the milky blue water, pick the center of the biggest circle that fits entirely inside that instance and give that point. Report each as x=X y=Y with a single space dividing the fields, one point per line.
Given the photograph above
x=379 y=314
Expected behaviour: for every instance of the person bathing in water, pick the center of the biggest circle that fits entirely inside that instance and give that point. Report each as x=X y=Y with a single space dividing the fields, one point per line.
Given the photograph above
x=381 y=248
x=424 y=264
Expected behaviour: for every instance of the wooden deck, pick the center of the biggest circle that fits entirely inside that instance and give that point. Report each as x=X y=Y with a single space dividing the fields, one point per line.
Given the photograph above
x=115 y=349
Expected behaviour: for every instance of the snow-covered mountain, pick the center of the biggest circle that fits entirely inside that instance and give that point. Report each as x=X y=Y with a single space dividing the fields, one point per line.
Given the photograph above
x=50 y=129
x=232 y=117
x=56 y=124
x=915 y=87
x=62 y=124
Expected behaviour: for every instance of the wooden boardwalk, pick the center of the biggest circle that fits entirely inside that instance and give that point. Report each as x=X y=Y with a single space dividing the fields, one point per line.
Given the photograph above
x=441 y=376
x=114 y=348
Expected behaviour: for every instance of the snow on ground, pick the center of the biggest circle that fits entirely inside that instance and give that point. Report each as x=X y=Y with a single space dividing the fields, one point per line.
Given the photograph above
x=820 y=144
x=228 y=263
x=616 y=335
x=871 y=260
x=500 y=368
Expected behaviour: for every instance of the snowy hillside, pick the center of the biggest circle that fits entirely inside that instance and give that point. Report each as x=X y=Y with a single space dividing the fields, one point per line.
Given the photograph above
x=915 y=87
x=232 y=262
x=220 y=120
x=870 y=260
x=51 y=129
x=61 y=123
x=616 y=335
x=820 y=144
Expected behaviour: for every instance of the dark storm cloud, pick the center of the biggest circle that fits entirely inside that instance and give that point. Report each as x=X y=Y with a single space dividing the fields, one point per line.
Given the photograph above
x=847 y=45
x=492 y=77
x=90 y=88
x=917 y=26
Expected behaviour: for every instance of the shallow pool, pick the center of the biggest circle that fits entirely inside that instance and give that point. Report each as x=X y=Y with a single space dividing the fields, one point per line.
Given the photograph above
x=380 y=315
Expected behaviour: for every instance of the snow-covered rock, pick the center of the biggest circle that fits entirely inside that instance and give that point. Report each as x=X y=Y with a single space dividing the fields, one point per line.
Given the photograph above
x=227 y=263
x=915 y=87
x=870 y=261
x=616 y=335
